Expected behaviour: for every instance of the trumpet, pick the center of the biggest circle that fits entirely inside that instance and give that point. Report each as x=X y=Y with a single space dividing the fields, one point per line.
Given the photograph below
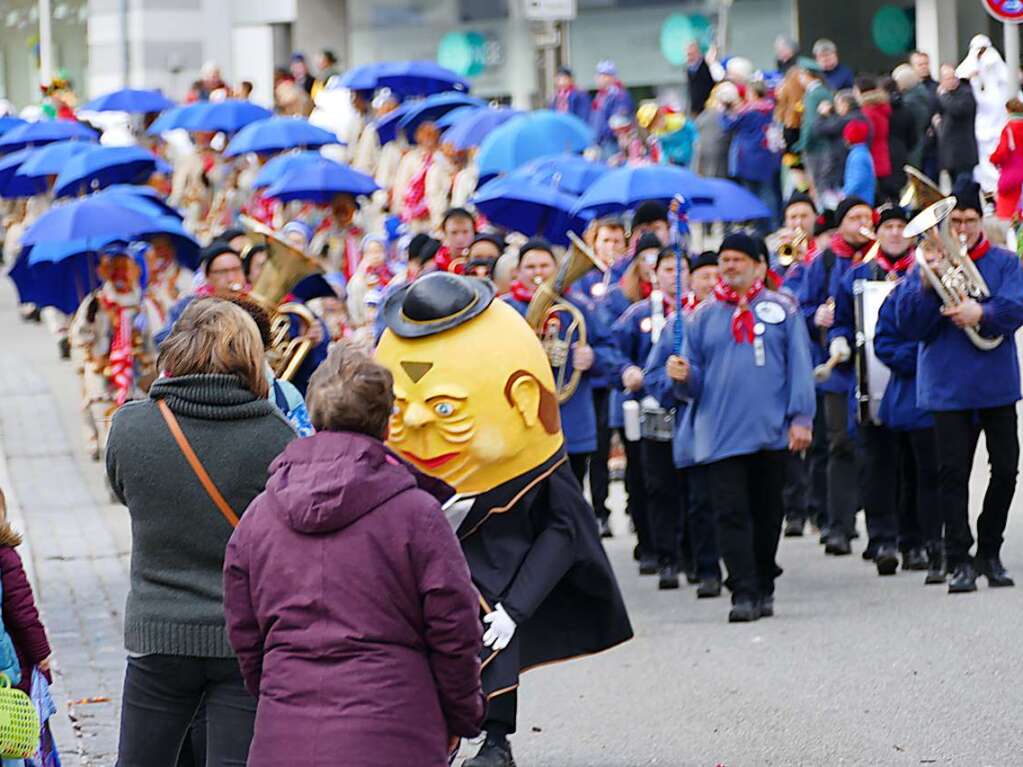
x=795 y=250
x=871 y=235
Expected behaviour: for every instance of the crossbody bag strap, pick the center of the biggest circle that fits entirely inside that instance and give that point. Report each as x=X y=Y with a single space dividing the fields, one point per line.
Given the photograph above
x=196 y=464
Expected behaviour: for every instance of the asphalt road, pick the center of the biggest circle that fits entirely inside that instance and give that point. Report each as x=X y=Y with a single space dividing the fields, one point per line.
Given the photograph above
x=852 y=670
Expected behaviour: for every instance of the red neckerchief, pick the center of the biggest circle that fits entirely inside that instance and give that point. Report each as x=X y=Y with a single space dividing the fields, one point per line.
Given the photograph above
x=561 y=98
x=601 y=96
x=645 y=288
x=520 y=292
x=742 y=318
x=843 y=249
x=900 y=266
x=444 y=258
x=689 y=303
x=122 y=349
x=415 y=206
x=979 y=250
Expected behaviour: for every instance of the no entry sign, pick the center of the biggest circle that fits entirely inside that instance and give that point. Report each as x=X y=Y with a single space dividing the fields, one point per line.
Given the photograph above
x=1010 y=11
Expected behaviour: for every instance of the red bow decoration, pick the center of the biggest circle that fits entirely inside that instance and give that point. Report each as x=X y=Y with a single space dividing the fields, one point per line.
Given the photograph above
x=122 y=350
x=742 y=318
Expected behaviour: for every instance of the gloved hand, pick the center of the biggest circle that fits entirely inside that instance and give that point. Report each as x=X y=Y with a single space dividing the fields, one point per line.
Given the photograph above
x=824 y=317
x=840 y=348
x=502 y=628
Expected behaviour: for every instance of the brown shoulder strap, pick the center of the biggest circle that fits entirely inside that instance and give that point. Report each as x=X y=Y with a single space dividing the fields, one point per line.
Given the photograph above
x=196 y=464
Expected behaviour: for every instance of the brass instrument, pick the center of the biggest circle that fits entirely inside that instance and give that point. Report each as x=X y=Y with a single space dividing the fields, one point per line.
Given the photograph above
x=920 y=192
x=794 y=251
x=871 y=253
x=556 y=321
x=285 y=267
x=956 y=278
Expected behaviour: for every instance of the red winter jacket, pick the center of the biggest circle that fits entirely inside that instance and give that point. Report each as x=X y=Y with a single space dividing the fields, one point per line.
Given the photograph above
x=879 y=112
x=21 y=619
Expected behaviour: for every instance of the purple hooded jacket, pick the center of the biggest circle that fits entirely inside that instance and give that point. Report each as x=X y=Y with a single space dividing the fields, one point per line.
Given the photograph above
x=352 y=612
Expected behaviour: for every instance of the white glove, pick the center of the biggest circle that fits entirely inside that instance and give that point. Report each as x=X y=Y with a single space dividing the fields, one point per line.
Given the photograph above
x=501 y=631
x=840 y=348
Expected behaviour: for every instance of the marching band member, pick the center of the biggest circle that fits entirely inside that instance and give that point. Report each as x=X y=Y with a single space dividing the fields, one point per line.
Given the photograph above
x=799 y=215
x=484 y=252
x=610 y=248
x=337 y=236
x=458 y=228
x=969 y=391
x=650 y=216
x=166 y=281
x=422 y=184
x=224 y=274
x=889 y=532
x=816 y=297
x=745 y=369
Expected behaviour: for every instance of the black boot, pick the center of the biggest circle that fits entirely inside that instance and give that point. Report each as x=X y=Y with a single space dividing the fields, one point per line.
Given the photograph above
x=915 y=559
x=964 y=579
x=766 y=606
x=744 y=609
x=709 y=588
x=935 y=564
x=886 y=559
x=667 y=577
x=794 y=527
x=993 y=569
x=495 y=752
x=605 y=527
x=838 y=544
x=647 y=565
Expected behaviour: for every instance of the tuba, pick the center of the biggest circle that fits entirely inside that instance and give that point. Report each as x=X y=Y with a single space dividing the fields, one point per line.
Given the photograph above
x=955 y=278
x=558 y=324
x=285 y=267
x=920 y=192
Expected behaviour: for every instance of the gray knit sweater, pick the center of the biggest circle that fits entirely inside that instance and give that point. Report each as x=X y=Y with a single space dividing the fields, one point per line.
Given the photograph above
x=175 y=604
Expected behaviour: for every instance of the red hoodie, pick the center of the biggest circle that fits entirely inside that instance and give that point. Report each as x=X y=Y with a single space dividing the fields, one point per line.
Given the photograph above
x=878 y=112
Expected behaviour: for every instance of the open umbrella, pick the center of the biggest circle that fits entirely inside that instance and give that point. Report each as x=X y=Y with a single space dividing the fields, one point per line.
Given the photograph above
x=362 y=78
x=282 y=165
x=530 y=136
x=406 y=78
x=92 y=221
x=473 y=128
x=319 y=182
x=432 y=107
x=166 y=121
x=387 y=126
x=129 y=100
x=446 y=121
x=58 y=274
x=228 y=116
x=530 y=208
x=165 y=221
x=102 y=166
x=44 y=132
x=276 y=134
x=7 y=122
x=10 y=184
x=50 y=160
x=569 y=173
x=731 y=203
x=150 y=197
x=624 y=188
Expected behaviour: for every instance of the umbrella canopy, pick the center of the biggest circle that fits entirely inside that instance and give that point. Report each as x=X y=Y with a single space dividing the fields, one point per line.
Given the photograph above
x=59 y=275
x=44 y=132
x=282 y=165
x=166 y=121
x=731 y=203
x=93 y=221
x=387 y=126
x=165 y=220
x=10 y=184
x=624 y=188
x=228 y=116
x=473 y=128
x=276 y=134
x=452 y=117
x=565 y=172
x=7 y=122
x=129 y=100
x=362 y=78
x=51 y=159
x=531 y=136
x=530 y=208
x=406 y=78
x=102 y=166
x=431 y=108
x=319 y=182
x=149 y=197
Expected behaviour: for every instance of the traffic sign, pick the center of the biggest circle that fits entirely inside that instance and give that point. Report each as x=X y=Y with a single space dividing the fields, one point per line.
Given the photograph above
x=1009 y=11
x=550 y=10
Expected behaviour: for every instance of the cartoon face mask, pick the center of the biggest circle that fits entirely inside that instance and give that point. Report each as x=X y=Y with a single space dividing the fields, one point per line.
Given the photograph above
x=474 y=401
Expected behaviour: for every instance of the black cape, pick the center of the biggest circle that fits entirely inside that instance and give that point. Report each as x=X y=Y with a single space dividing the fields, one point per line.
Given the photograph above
x=533 y=546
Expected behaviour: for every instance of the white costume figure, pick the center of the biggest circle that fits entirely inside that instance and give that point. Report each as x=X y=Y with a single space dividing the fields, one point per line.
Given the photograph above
x=988 y=76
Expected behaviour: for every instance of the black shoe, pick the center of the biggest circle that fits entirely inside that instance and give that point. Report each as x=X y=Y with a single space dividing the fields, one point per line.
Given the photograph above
x=825 y=534
x=709 y=588
x=886 y=559
x=794 y=528
x=647 y=565
x=993 y=569
x=935 y=564
x=964 y=579
x=691 y=576
x=64 y=348
x=915 y=559
x=838 y=545
x=605 y=527
x=870 y=552
x=667 y=578
x=744 y=610
x=494 y=753
x=767 y=606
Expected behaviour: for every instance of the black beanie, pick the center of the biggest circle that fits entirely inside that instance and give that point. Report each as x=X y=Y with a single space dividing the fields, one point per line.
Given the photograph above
x=537 y=243
x=211 y=251
x=416 y=244
x=744 y=243
x=648 y=212
x=846 y=205
x=891 y=213
x=824 y=222
x=649 y=241
x=707 y=258
x=968 y=197
x=798 y=197
x=428 y=250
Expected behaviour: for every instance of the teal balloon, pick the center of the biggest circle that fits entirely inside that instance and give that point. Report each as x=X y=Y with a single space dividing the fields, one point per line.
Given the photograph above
x=678 y=30
x=463 y=53
x=703 y=32
x=892 y=30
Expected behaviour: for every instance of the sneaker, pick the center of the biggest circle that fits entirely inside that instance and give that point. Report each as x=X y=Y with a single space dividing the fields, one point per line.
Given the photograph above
x=494 y=753
x=964 y=579
x=995 y=572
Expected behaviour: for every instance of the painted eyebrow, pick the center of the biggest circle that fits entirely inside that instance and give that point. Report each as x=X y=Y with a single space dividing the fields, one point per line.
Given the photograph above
x=458 y=394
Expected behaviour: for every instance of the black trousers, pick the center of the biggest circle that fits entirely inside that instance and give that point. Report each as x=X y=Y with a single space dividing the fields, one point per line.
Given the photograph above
x=579 y=463
x=502 y=712
x=817 y=456
x=701 y=526
x=666 y=505
x=796 y=494
x=843 y=480
x=637 y=505
x=746 y=493
x=957 y=433
x=161 y=696
x=921 y=494
x=599 y=476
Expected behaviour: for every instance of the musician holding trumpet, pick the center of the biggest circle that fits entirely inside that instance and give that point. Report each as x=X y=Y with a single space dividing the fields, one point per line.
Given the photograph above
x=967 y=378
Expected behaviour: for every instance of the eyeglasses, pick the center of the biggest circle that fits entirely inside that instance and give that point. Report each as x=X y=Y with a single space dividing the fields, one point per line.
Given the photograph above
x=964 y=221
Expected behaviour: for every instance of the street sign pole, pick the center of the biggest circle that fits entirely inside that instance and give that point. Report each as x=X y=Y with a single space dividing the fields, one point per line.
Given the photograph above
x=1012 y=57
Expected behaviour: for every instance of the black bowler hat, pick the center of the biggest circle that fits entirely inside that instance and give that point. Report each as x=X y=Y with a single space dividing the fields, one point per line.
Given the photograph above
x=436 y=302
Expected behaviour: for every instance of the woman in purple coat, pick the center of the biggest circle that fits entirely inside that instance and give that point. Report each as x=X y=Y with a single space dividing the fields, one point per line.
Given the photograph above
x=348 y=600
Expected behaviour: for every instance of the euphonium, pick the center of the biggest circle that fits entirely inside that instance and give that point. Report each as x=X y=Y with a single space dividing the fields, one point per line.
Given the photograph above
x=920 y=192
x=954 y=276
x=558 y=324
x=791 y=252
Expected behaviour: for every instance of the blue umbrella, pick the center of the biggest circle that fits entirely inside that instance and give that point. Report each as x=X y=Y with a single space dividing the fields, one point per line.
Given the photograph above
x=529 y=137
x=387 y=126
x=530 y=208
x=7 y=122
x=731 y=203
x=59 y=275
x=432 y=107
x=166 y=121
x=93 y=221
x=44 y=132
x=566 y=172
x=319 y=182
x=10 y=184
x=133 y=193
x=452 y=117
x=277 y=134
x=406 y=78
x=102 y=166
x=129 y=100
x=281 y=165
x=51 y=159
x=362 y=78
x=472 y=129
x=624 y=188
x=228 y=116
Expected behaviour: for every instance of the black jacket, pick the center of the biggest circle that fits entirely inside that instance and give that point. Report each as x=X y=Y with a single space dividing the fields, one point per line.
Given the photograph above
x=701 y=82
x=957 y=140
x=903 y=135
